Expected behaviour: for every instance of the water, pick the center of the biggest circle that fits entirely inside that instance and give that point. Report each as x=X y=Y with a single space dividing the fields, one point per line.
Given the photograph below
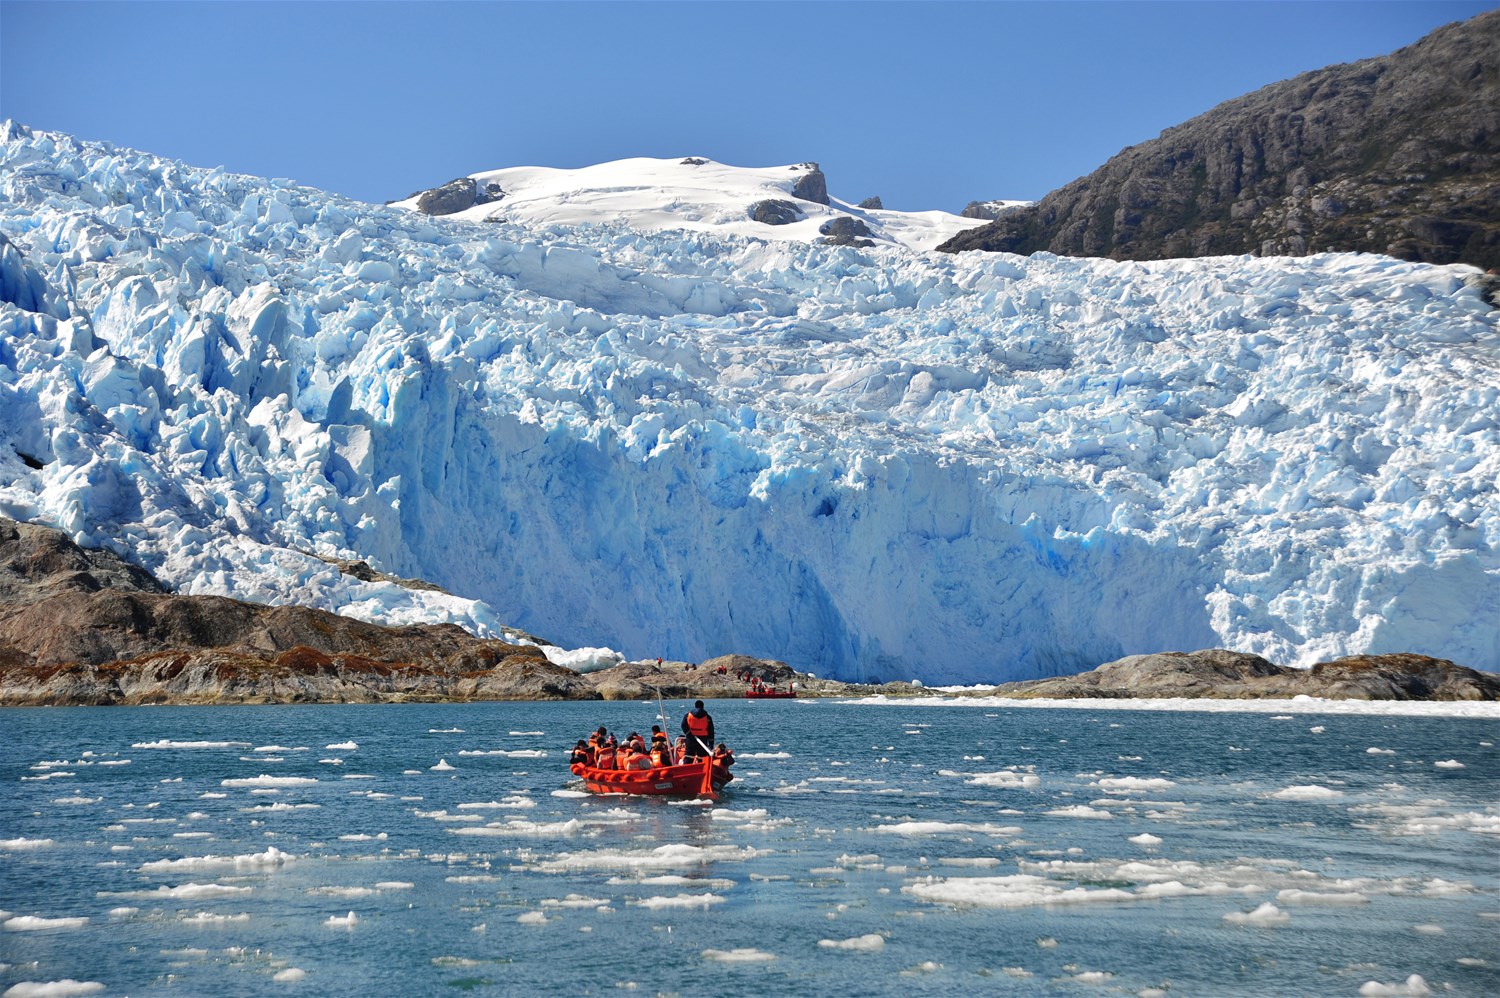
x=858 y=852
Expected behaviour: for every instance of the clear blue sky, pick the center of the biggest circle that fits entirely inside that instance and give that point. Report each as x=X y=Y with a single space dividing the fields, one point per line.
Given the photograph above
x=929 y=105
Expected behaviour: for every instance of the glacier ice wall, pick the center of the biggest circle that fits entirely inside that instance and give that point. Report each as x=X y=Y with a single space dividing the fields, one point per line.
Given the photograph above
x=868 y=463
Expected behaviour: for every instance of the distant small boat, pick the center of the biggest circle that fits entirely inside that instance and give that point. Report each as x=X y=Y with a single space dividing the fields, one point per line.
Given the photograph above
x=691 y=779
x=767 y=693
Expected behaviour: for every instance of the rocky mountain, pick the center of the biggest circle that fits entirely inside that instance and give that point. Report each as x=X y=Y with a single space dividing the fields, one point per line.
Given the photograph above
x=1398 y=154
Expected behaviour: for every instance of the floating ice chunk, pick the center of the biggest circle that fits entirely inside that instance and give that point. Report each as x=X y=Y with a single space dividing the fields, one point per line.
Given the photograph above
x=271 y=857
x=394 y=885
x=763 y=755
x=1311 y=791
x=742 y=955
x=1014 y=891
x=1145 y=839
x=363 y=837
x=728 y=814
x=182 y=891
x=678 y=856
x=680 y=901
x=341 y=921
x=1091 y=977
x=1317 y=729
x=1020 y=973
x=672 y=880
x=167 y=744
x=1449 y=764
x=1266 y=914
x=507 y=753
x=1006 y=779
x=210 y=918
x=1413 y=987
x=65 y=988
x=1134 y=783
x=445 y=731
x=15 y=845
x=532 y=918
x=512 y=803
x=1428 y=929
x=1079 y=811
x=1372 y=750
x=36 y=923
x=264 y=780
x=526 y=734
x=76 y=800
x=289 y=975
x=862 y=944
x=348 y=746
x=1047 y=943
x=1292 y=895
x=124 y=911
x=946 y=828
x=575 y=901
x=442 y=767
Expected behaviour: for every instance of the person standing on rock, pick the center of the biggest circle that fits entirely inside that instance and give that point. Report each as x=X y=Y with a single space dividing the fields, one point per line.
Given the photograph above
x=698 y=726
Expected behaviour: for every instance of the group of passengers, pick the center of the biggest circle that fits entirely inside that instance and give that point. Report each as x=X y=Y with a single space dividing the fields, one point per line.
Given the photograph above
x=602 y=750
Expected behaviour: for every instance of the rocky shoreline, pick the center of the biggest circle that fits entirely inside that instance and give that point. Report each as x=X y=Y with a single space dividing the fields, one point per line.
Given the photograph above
x=80 y=627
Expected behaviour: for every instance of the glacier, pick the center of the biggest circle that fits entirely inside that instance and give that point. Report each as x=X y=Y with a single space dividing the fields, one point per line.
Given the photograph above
x=678 y=440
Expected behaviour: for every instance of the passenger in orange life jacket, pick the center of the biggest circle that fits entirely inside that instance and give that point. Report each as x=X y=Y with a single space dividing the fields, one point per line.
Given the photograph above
x=661 y=754
x=699 y=729
x=608 y=757
x=580 y=755
x=679 y=749
x=636 y=759
x=722 y=756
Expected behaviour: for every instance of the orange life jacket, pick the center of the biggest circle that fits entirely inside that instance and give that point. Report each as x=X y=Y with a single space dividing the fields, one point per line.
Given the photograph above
x=697 y=725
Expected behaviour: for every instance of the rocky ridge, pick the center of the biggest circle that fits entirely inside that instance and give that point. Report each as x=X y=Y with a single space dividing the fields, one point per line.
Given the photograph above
x=1228 y=675
x=1398 y=154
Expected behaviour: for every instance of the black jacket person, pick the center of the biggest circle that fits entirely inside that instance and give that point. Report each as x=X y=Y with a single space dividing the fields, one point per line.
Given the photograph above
x=699 y=729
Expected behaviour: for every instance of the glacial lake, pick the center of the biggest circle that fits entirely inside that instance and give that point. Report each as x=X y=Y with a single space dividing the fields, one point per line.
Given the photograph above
x=863 y=849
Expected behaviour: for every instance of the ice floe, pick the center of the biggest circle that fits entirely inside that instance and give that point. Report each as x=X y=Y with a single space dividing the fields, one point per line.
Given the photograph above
x=265 y=780
x=738 y=955
x=861 y=944
x=1307 y=792
x=1265 y=914
x=65 y=988
x=38 y=923
x=1414 y=986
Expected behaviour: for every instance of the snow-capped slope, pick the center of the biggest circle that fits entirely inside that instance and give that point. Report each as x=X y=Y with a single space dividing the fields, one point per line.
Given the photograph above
x=692 y=193
x=867 y=462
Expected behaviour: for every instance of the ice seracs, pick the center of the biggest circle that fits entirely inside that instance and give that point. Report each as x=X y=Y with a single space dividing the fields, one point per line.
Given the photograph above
x=685 y=439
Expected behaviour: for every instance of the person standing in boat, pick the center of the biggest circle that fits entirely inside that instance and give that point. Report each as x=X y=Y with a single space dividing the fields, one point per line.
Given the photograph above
x=698 y=726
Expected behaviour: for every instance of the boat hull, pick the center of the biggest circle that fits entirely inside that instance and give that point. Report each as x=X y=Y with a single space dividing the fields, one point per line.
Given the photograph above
x=686 y=780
